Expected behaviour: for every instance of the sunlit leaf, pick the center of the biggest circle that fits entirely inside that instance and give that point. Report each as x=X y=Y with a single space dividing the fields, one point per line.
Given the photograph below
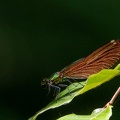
x=97 y=114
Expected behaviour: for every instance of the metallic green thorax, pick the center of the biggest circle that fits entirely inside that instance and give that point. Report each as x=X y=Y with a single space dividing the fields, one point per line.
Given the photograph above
x=56 y=78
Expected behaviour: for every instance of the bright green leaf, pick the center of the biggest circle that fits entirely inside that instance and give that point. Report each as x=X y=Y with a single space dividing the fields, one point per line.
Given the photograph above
x=97 y=114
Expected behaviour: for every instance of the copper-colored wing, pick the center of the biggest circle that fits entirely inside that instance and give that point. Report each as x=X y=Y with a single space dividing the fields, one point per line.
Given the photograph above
x=103 y=58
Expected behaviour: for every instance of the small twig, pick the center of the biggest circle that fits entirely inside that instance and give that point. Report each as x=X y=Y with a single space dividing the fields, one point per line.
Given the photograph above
x=113 y=98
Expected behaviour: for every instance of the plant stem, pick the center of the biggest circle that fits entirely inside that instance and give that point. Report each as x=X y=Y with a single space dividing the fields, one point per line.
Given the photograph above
x=113 y=98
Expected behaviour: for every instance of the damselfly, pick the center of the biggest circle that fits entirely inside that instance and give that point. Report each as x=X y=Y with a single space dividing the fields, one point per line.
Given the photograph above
x=103 y=58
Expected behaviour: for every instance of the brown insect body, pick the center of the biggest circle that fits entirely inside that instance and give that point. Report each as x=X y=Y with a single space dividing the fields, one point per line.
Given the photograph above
x=103 y=58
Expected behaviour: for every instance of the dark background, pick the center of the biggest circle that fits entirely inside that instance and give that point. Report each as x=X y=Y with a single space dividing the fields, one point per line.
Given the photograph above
x=38 y=38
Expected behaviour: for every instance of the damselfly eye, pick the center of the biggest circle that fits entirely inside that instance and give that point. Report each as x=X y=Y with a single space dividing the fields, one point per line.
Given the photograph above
x=44 y=83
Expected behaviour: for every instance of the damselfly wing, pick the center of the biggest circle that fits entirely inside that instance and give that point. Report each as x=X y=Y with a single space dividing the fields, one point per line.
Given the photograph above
x=103 y=58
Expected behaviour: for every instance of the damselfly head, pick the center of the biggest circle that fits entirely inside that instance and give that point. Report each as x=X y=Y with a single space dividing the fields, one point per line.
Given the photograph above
x=45 y=82
x=55 y=79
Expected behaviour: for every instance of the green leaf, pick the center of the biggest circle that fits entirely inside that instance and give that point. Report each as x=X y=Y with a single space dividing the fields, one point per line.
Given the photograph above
x=76 y=89
x=97 y=114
